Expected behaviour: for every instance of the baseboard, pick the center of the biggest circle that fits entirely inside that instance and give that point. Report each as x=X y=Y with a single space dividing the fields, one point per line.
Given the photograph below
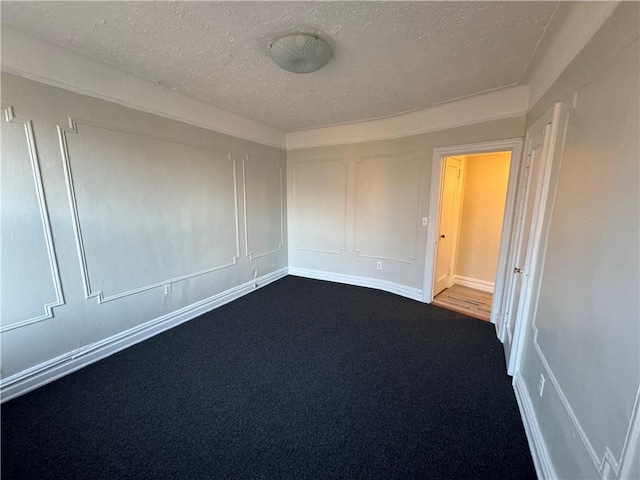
x=537 y=445
x=474 y=283
x=46 y=372
x=403 y=290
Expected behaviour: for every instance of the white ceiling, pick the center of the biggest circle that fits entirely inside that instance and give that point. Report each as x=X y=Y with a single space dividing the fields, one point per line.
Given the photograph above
x=390 y=57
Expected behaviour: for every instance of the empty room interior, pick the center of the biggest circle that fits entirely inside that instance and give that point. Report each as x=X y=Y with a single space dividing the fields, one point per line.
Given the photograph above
x=359 y=240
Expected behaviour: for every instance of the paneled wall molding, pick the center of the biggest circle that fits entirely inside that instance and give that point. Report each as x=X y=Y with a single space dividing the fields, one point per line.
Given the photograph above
x=89 y=291
x=278 y=248
x=607 y=463
x=10 y=118
x=53 y=369
x=396 y=157
x=296 y=242
x=631 y=445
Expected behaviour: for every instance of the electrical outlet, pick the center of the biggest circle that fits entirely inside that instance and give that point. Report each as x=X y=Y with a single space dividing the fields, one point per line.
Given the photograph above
x=425 y=220
x=541 y=386
x=379 y=265
x=167 y=289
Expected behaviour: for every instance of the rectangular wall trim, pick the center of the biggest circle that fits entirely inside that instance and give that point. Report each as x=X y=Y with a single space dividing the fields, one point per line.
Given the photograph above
x=90 y=291
x=51 y=370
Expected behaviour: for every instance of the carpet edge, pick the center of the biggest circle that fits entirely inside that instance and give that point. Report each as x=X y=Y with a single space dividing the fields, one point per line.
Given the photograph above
x=51 y=370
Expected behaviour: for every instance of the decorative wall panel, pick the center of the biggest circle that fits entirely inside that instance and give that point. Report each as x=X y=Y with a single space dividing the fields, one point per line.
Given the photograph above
x=320 y=205
x=138 y=199
x=387 y=197
x=31 y=286
x=264 y=217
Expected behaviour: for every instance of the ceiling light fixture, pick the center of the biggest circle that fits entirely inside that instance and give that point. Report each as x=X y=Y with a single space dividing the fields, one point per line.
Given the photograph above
x=300 y=53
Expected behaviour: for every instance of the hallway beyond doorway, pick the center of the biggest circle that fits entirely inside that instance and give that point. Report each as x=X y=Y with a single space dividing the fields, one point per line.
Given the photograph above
x=475 y=303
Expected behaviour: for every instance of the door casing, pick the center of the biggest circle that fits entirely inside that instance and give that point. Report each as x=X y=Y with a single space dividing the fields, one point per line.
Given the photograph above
x=513 y=145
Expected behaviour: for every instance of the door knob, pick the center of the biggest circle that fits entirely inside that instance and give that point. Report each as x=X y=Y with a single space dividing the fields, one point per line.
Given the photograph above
x=517 y=270
x=441 y=236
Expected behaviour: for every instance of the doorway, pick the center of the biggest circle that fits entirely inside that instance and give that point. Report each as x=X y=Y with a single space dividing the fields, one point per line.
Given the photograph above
x=472 y=203
x=525 y=224
x=514 y=148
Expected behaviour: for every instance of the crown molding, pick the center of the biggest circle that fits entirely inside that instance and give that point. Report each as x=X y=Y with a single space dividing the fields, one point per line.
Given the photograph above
x=583 y=20
x=495 y=105
x=36 y=59
x=39 y=60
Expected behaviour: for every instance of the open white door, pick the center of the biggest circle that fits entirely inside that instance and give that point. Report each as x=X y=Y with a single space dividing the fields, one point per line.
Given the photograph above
x=536 y=187
x=528 y=187
x=449 y=219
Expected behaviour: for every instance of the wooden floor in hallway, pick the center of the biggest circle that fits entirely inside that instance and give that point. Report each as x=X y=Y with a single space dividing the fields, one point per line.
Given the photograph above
x=468 y=301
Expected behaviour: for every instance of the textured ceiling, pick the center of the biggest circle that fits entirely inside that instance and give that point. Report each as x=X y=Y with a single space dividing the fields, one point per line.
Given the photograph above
x=390 y=57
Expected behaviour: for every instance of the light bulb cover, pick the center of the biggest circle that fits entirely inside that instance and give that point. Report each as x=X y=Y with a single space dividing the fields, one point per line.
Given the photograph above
x=300 y=53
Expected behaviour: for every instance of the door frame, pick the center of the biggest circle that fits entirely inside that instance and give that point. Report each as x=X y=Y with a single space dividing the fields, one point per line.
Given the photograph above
x=513 y=145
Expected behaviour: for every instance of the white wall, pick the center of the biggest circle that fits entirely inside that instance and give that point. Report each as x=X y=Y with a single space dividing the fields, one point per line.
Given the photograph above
x=354 y=205
x=585 y=334
x=104 y=207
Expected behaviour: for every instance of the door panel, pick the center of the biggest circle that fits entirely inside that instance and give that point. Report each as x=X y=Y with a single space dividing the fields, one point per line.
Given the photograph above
x=534 y=200
x=529 y=191
x=449 y=211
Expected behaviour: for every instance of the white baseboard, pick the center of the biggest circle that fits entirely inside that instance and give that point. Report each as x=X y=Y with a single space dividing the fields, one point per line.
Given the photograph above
x=537 y=445
x=474 y=283
x=403 y=290
x=46 y=372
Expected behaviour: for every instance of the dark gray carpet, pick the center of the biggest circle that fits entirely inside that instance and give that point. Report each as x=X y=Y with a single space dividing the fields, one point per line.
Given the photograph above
x=301 y=379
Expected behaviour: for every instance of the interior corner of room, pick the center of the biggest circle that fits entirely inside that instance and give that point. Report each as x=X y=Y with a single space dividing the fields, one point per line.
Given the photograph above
x=131 y=205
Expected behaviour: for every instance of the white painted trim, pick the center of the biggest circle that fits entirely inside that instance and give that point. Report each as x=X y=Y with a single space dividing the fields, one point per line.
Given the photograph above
x=605 y=461
x=37 y=59
x=514 y=145
x=475 y=283
x=496 y=105
x=39 y=375
x=73 y=205
x=294 y=231
x=582 y=22
x=249 y=251
x=537 y=445
x=44 y=219
x=631 y=443
x=398 y=289
x=411 y=258
x=558 y=117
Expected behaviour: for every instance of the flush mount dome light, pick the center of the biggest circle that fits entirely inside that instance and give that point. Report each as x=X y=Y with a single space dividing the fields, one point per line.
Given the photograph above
x=300 y=53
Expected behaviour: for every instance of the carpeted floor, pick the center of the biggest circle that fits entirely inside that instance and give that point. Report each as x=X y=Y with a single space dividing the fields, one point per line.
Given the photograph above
x=301 y=379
